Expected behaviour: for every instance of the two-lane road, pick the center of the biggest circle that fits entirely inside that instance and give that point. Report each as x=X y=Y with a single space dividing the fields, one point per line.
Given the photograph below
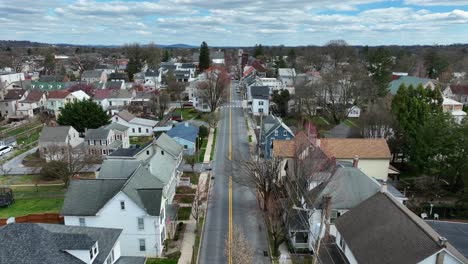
x=231 y=145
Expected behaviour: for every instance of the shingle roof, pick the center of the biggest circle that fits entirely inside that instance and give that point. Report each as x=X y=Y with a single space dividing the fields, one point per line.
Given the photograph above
x=118 y=76
x=117 y=126
x=348 y=148
x=188 y=66
x=407 y=80
x=33 y=96
x=59 y=94
x=30 y=243
x=455 y=232
x=87 y=196
x=284 y=148
x=101 y=94
x=97 y=133
x=169 y=145
x=459 y=89
x=392 y=231
x=54 y=134
x=114 y=85
x=131 y=260
x=348 y=186
x=118 y=169
x=260 y=92
x=184 y=131
x=126 y=115
x=91 y=74
x=14 y=94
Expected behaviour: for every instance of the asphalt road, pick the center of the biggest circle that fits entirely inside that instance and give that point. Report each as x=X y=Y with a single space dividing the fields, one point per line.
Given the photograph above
x=245 y=211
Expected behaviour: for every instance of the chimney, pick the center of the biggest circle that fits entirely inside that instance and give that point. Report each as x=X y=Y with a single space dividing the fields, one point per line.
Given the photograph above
x=383 y=188
x=327 y=212
x=441 y=256
x=443 y=242
x=186 y=124
x=355 y=161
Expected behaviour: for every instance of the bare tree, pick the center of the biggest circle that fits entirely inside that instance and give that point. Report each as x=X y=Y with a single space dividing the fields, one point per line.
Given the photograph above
x=239 y=247
x=338 y=51
x=200 y=197
x=276 y=227
x=260 y=175
x=377 y=121
x=213 y=119
x=70 y=160
x=214 y=88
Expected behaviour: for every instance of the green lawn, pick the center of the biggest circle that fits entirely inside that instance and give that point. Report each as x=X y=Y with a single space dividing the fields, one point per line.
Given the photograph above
x=202 y=150
x=34 y=200
x=20 y=179
x=193 y=177
x=184 y=213
x=187 y=113
x=21 y=129
x=141 y=141
x=213 y=145
x=250 y=138
x=161 y=261
x=29 y=137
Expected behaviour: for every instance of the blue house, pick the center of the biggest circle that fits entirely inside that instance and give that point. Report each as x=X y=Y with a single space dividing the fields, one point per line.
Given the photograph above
x=273 y=129
x=186 y=135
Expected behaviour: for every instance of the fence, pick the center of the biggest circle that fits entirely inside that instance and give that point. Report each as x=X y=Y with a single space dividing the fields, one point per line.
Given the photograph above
x=37 y=218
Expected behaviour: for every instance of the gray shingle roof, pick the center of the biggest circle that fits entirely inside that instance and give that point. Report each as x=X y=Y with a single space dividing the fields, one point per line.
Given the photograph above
x=169 y=145
x=260 y=92
x=348 y=187
x=117 y=169
x=30 y=243
x=456 y=233
x=87 y=196
x=91 y=74
x=382 y=230
x=185 y=131
x=54 y=134
x=117 y=126
x=131 y=260
x=97 y=133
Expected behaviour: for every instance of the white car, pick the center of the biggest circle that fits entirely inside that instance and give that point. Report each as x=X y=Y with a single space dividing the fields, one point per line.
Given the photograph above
x=5 y=150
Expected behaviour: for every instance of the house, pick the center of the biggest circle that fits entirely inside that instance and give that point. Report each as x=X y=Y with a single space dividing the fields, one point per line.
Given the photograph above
x=410 y=80
x=137 y=192
x=115 y=85
x=52 y=243
x=91 y=76
x=57 y=142
x=272 y=129
x=120 y=99
x=105 y=140
x=48 y=86
x=382 y=230
x=372 y=155
x=455 y=232
x=138 y=126
x=287 y=76
x=260 y=100
x=217 y=57
x=101 y=97
x=56 y=100
x=454 y=108
x=32 y=105
x=134 y=152
x=118 y=77
x=186 y=135
x=9 y=77
x=458 y=92
x=9 y=104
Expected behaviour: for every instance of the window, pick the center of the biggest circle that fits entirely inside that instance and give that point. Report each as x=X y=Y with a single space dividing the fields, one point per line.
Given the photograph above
x=82 y=221
x=260 y=102
x=162 y=152
x=133 y=130
x=276 y=133
x=104 y=152
x=142 y=243
x=260 y=110
x=116 y=119
x=141 y=223
x=147 y=152
x=122 y=205
x=185 y=147
x=139 y=130
x=147 y=130
x=104 y=142
x=285 y=133
x=91 y=254
x=334 y=215
x=342 y=244
x=125 y=102
x=110 y=103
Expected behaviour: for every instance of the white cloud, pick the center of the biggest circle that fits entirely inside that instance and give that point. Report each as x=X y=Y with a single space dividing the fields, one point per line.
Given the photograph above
x=437 y=3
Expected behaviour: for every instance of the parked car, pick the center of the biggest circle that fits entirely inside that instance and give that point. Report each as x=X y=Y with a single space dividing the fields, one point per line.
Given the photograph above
x=5 y=150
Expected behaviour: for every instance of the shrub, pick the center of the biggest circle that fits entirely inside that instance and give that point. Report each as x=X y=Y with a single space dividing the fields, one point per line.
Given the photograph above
x=203 y=132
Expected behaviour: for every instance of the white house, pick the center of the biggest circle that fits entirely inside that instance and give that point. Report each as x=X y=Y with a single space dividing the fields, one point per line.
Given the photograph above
x=138 y=126
x=371 y=155
x=55 y=142
x=93 y=76
x=287 y=76
x=56 y=100
x=9 y=104
x=8 y=77
x=33 y=103
x=133 y=191
x=457 y=92
x=354 y=111
x=381 y=228
x=454 y=108
x=273 y=83
x=260 y=100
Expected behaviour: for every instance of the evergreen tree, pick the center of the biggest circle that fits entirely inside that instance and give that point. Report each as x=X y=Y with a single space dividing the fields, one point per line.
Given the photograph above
x=281 y=99
x=166 y=56
x=204 y=59
x=380 y=63
x=435 y=64
x=82 y=115
x=258 y=51
x=292 y=58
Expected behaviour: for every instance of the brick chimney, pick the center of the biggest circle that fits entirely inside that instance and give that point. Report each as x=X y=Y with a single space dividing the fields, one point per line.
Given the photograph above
x=355 y=161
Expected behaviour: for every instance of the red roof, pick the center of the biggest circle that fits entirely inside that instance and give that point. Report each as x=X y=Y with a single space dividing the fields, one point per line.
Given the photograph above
x=248 y=71
x=60 y=94
x=102 y=94
x=459 y=89
x=34 y=96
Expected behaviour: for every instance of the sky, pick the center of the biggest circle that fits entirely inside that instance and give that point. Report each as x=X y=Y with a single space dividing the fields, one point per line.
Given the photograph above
x=235 y=22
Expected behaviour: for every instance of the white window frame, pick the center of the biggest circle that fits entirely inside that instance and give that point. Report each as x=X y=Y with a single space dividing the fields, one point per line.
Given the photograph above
x=141 y=223
x=122 y=205
x=82 y=221
x=142 y=244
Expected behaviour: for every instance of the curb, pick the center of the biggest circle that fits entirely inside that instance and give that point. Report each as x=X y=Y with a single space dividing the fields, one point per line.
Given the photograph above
x=204 y=221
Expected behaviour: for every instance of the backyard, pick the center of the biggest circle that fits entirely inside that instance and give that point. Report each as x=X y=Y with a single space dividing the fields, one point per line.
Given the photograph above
x=141 y=141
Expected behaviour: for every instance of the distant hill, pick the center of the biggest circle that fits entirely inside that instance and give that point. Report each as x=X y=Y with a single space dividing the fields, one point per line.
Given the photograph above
x=178 y=46
x=26 y=43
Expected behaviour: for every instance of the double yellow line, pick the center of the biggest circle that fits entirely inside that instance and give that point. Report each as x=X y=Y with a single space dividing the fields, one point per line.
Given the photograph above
x=230 y=184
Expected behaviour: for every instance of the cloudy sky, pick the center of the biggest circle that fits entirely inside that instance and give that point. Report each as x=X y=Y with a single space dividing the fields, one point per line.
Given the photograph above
x=235 y=22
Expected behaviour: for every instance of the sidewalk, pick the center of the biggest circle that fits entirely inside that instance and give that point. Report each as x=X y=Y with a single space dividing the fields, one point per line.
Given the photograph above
x=207 y=157
x=188 y=241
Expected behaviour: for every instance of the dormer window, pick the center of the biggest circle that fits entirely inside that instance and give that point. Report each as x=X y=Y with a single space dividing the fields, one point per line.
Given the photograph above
x=122 y=205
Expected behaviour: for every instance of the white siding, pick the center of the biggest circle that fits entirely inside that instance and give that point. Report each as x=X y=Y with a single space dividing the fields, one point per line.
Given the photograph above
x=134 y=129
x=349 y=255
x=82 y=255
x=256 y=107
x=128 y=221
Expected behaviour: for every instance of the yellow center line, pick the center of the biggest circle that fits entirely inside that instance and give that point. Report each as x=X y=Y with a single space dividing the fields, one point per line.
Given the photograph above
x=230 y=184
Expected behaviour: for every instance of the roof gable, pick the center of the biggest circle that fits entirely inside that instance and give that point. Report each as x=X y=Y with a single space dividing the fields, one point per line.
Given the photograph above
x=184 y=131
x=55 y=134
x=459 y=89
